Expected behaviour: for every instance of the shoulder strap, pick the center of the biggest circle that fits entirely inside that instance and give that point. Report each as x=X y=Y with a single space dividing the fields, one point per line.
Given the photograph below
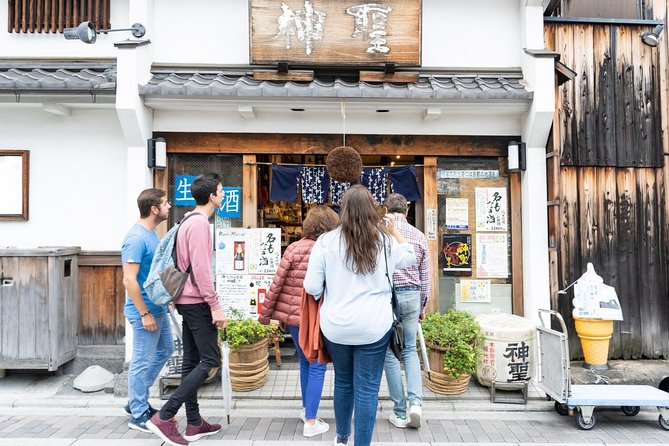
x=393 y=297
x=189 y=270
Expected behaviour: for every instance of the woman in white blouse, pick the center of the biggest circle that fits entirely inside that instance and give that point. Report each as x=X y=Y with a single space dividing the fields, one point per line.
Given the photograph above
x=347 y=267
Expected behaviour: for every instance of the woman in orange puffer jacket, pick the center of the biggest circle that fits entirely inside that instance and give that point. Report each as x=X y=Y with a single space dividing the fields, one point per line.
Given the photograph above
x=283 y=304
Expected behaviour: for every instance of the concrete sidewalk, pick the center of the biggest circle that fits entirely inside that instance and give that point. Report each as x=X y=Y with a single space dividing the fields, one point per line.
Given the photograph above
x=45 y=410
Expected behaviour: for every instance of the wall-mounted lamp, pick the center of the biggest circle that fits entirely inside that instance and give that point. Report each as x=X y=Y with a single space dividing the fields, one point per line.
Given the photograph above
x=87 y=33
x=157 y=153
x=652 y=38
x=517 y=156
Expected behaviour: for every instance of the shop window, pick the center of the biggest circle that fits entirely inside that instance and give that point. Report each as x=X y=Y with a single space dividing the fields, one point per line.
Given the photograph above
x=51 y=16
x=474 y=234
x=183 y=167
x=14 y=173
x=611 y=9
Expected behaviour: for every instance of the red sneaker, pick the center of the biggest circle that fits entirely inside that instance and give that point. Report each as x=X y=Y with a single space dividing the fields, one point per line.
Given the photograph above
x=168 y=431
x=205 y=429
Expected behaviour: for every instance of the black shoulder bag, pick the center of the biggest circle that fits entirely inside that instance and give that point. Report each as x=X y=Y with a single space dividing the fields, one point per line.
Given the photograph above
x=397 y=330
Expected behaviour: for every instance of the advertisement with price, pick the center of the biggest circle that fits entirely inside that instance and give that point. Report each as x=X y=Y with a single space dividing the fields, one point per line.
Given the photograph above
x=246 y=261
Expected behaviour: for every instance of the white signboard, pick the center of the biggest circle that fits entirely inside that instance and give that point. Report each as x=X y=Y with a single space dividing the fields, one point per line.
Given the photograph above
x=595 y=300
x=431 y=224
x=243 y=292
x=246 y=261
x=491 y=210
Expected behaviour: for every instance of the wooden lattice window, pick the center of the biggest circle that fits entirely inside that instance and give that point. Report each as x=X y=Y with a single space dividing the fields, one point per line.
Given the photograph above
x=51 y=16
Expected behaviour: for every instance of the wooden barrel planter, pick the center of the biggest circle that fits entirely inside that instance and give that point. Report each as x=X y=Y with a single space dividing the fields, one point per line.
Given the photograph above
x=440 y=382
x=249 y=366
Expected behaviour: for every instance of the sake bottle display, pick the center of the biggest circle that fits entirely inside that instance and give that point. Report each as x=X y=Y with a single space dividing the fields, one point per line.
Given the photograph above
x=239 y=256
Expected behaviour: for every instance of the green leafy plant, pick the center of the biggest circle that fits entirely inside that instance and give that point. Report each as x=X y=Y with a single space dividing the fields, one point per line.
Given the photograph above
x=459 y=334
x=241 y=331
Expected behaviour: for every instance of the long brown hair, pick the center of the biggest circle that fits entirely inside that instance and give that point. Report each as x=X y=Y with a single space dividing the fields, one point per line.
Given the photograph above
x=360 y=229
x=319 y=220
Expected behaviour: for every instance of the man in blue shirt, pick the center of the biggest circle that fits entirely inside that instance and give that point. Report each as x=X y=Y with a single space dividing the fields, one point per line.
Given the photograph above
x=152 y=335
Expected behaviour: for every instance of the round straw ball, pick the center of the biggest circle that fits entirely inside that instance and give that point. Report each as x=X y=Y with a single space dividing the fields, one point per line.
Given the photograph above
x=344 y=164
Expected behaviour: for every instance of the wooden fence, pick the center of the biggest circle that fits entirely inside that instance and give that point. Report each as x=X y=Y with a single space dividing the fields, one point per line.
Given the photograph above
x=102 y=298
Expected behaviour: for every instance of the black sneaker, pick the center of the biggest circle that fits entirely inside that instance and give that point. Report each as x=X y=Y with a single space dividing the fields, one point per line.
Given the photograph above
x=139 y=424
x=152 y=411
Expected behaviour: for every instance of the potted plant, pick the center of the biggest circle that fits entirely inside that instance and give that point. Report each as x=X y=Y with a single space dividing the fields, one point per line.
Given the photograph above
x=455 y=343
x=249 y=355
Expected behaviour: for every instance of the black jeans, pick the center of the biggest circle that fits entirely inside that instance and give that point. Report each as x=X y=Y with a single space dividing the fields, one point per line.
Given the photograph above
x=201 y=354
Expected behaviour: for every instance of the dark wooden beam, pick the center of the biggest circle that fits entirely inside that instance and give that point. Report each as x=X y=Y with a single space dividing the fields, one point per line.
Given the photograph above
x=290 y=75
x=380 y=76
x=286 y=143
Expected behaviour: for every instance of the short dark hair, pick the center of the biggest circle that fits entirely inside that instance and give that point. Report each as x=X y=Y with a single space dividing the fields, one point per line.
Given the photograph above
x=396 y=203
x=319 y=220
x=203 y=186
x=147 y=199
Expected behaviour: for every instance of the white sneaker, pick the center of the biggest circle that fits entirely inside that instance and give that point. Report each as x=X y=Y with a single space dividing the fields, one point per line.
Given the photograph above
x=303 y=415
x=397 y=421
x=319 y=427
x=415 y=412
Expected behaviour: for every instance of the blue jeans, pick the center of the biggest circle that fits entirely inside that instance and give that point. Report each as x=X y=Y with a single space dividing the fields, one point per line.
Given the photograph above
x=409 y=304
x=150 y=351
x=358 y=370
x=312 y=375
x=201 y=354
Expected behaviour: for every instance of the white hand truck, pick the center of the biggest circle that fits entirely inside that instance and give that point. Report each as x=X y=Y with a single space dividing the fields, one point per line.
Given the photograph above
x=582 y=399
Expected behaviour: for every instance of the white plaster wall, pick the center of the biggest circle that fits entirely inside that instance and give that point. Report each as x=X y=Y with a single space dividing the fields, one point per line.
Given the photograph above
x=471 y=34
x=478 y=33
x=461 y=122
x=77 y=173
x=485 y=33
x=54 y=45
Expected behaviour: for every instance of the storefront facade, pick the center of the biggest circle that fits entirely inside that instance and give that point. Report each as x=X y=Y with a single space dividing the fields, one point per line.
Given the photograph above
x=483 y=80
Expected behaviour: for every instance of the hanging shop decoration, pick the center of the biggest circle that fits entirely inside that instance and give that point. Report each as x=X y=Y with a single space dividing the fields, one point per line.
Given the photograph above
x=318 y=184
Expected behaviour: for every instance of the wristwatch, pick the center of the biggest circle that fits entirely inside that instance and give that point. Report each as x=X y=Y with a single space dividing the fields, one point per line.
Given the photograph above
x=145 y=313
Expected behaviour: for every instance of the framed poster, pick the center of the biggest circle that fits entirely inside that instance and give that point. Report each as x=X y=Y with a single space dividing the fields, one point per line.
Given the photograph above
x=14 y=181
x=456 y=250
x=492 y=256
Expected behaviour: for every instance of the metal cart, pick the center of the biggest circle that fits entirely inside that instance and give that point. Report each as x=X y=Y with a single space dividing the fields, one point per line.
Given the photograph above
x=555 y=381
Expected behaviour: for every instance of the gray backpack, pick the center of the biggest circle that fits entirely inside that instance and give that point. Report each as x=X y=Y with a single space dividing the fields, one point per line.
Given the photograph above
x=165 y=281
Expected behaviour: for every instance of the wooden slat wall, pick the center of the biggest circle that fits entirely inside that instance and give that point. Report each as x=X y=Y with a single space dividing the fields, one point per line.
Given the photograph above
x=50 y=16
x=611 y=184
x=102 y=299
x=608 y=114
x=614 y=218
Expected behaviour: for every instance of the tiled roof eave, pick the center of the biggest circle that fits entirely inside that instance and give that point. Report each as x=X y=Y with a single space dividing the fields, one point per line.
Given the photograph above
x=451 y=88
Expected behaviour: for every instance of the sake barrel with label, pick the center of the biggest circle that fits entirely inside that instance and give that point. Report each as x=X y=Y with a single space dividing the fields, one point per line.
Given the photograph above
x=509 y=350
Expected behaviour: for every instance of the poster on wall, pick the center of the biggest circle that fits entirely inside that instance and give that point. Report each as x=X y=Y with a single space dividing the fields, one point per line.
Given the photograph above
x=245 y=263
x=491 y=256
x=244 y=293
x=475 y=291
x=457 y=214
x=247 y=251
x=491 y=210
x=456 y=250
